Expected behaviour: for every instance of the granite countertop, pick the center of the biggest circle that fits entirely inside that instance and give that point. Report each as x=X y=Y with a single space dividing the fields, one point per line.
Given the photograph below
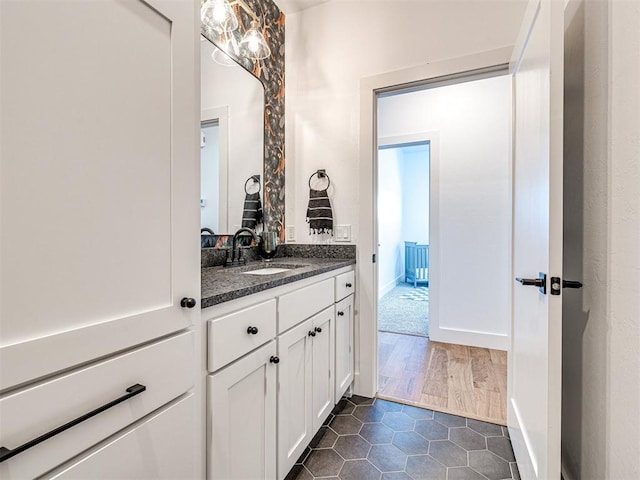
x=220 y=284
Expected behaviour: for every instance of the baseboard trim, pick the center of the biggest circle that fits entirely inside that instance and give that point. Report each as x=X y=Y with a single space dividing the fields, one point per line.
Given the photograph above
x=390 y=286
x=468 y=337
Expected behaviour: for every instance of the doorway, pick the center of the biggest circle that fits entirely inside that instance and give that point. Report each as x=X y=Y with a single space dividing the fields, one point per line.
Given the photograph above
x=441 y=330
x=403 y=225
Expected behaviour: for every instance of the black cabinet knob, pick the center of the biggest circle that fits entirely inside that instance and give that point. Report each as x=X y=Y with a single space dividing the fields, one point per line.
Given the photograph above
x=348 y=285
x=274 y=360
x=187 y=302
x=252 y=330
x=340 y=314
x=318 y=329
x=312 y=333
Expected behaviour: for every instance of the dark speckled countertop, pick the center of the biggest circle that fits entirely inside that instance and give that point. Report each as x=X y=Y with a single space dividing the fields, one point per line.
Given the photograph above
x=221 y=284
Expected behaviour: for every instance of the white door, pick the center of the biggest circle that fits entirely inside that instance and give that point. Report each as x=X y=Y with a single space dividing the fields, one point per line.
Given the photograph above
x=295 y=421
x=323 y=366
x=534 y=393
x=99 y=174
x=242 y=414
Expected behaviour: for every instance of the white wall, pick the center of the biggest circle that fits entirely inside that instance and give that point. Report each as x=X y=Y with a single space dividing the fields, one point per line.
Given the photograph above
x=601 y=331
x=209 y=178
x=470 y=251
x=415 y=195
x=390 y=208
x=243 y=94
x=329 y=48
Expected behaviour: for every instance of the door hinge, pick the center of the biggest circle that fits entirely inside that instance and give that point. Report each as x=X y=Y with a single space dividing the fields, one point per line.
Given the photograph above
x=373 y=258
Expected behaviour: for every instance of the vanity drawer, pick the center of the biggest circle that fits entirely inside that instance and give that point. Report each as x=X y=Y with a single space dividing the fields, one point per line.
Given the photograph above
x=301 y=304
x=345 y=285
x=159 y=447
x=165 y=368
x=230 y=337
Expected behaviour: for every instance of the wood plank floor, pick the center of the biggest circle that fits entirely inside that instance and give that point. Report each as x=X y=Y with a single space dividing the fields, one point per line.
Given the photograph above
x=466 y=381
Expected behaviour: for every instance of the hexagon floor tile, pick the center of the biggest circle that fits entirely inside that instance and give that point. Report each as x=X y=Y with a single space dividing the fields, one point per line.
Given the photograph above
x=377 y=439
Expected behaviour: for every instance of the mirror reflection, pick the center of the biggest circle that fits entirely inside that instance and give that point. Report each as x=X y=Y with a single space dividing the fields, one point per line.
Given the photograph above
x=231 y=144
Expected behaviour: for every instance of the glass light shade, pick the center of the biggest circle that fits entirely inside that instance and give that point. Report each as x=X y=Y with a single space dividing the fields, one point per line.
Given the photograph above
x=254 y=45
x=221 y=58
x=219 y=15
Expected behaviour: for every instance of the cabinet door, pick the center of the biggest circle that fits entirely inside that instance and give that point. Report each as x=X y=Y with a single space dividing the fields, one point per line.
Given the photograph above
x=159 y=447
x=344 y=346
x=295 y=421
x=323 y=361
x=241 y=435
x=99 y=176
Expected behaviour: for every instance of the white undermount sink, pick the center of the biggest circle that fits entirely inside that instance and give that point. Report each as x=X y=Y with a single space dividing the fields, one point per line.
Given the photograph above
x=267 y=271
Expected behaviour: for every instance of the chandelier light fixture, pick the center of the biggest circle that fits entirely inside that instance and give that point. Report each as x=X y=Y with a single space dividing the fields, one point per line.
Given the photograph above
x=220 y=17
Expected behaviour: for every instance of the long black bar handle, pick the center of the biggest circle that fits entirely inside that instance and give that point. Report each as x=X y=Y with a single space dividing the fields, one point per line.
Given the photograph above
x=132 y=391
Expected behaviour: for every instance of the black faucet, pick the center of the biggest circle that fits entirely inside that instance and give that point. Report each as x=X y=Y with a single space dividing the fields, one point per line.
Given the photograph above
x=239 y=260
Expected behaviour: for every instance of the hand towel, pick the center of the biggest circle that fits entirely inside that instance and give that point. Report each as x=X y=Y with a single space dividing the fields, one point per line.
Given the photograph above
x=252 y=212
x=319 y=213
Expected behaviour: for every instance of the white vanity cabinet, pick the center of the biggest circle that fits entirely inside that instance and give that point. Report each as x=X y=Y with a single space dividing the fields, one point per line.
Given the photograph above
x=242 y=418
x=284 y=375
x=344 y=329
x=305 y=380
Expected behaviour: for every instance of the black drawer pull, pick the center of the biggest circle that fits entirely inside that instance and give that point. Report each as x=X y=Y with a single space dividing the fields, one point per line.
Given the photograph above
x=348 y=285
x=252 y=330
x=6 y=454
x=318 y=329
x=340 y=313
x=312 y=333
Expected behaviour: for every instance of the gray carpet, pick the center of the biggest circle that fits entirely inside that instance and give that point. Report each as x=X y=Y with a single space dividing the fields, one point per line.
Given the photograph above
x=405 y=310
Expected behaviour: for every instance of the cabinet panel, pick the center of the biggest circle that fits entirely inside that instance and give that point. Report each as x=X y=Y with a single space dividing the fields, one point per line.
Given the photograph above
x=229 y=337
x=241 y=438
x=165 y=368
x=160 y=447
x=344 y=346
x=323 y=361
x=295 y=424
x=303 y=303
x=345 y=285
x=99 y=162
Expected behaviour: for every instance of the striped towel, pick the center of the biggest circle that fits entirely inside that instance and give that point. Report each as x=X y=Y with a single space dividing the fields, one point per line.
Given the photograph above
x=319 y=213
x=252 y=212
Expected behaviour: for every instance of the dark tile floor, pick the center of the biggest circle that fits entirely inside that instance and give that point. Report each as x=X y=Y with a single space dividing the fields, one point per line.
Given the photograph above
x=373 y=439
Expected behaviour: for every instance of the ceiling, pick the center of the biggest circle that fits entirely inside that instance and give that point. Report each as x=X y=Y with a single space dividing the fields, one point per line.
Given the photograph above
x=292 y=6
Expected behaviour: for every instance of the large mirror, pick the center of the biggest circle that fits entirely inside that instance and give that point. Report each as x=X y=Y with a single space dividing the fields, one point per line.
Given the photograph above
x=231 y=145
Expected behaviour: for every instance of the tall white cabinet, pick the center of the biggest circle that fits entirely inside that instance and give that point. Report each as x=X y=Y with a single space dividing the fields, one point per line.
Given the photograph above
x=99 y=214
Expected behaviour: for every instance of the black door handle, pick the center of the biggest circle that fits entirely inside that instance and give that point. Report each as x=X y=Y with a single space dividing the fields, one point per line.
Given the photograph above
x=540 y=282
x=312 y=333
x=536 y=282
x=275 y=360
x=252 y=330
x=348 y=285
x=557 y=285
x=6 y=453
x=187 y=302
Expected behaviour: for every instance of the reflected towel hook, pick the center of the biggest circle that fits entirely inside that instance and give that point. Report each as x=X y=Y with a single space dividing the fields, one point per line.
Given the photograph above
x=321 y=173
x=255 y=179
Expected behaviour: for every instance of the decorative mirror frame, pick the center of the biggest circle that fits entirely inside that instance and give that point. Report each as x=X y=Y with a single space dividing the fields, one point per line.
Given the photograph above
x=270 y=72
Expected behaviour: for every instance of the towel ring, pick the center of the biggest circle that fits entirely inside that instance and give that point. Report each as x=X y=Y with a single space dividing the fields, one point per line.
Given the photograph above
x=256 y=179
x=320 y=174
